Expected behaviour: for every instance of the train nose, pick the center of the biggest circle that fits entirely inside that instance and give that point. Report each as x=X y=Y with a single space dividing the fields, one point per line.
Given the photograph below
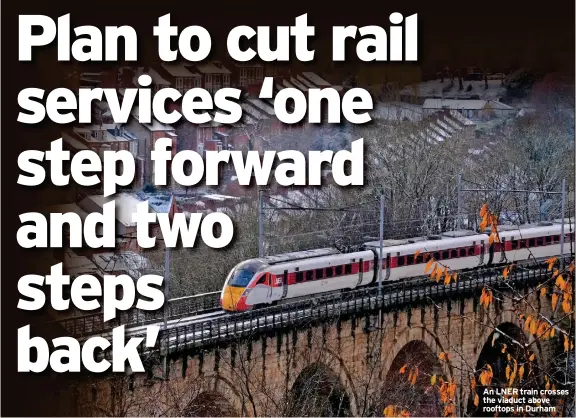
x=230 y=297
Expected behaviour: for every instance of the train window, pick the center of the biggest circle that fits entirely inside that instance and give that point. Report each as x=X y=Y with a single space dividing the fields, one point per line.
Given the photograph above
x=419 y=259
x=319 y=274
x=548 y=240
x=539 y=241
x=445 y=254
x=348 y=269
x=514 y=244
x=299 y=277
x=329 y=272
x=338 y=270
x=470 y=251
x=310 y=275
x=531 y=242
x=400 y=261
x=453 y=253
x=409 y=260
x=556 y=239
x=462 y=252
x=522 y=243
x=262 y=280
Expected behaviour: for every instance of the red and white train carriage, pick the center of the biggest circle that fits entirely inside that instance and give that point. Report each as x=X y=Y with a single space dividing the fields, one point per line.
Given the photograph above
x=286 y=277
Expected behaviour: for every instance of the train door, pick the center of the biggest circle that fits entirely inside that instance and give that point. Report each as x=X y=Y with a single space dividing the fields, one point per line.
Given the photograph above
x=482 y=251
x=360 y=271
x=387 y=277
x=285 y=284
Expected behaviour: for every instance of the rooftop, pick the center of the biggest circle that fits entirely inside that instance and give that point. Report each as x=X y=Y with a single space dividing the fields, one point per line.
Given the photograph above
x=212 y=68
x=126 y=205
x=178 y=70
x=317 y=80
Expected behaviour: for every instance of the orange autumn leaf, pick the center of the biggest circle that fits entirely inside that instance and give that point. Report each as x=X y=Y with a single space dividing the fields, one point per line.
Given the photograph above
x=443 y=356
x=551 y=262
x=491 y=239
x=417 y=253
x=504 y=346
x=483 y=225
x=454 y=277
x=532 y=357
x=543 y=291
x=571 y=267
x=527 y=322
x=476 y=400
x=403 y=369
x=506 y=272
x=508 y=371
x=533 y=327
x=433 y=380
x=520 y=373
x=429 y=265
x=566 y=344
x=566 y=305
x=484 y=210
x=560 y=282
x=554 y=301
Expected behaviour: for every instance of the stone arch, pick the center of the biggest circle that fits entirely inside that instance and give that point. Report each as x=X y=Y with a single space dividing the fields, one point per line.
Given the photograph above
x=493 y=349
x=209 y=404
x=416 y=350
x=416 y=333
x=335 y=363
x=218 y=386
x=317 y=390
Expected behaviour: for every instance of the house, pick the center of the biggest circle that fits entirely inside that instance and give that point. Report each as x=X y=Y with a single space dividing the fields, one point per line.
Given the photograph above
x=100 y=138
x=247 y=74
x=214 y=76
x=181 y=77
x=126 y=205
x=475 y=110
x=148 y=134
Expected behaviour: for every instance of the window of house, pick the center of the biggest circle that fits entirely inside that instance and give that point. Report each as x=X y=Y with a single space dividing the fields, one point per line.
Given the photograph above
x=208 y=79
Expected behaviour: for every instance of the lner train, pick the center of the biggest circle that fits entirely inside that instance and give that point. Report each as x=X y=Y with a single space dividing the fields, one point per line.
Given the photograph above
x=281 y=278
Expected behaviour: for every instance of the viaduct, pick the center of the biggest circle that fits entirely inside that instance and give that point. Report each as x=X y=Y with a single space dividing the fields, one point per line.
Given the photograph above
x=349 y=355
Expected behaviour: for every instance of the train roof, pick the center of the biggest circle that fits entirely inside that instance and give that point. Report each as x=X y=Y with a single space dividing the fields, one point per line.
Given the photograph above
x=298 y=255
x=533 y=230
x=432 y=243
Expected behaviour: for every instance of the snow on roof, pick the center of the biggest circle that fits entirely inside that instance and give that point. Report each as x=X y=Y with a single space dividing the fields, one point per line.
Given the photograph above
x=264 y=106
x=298 y=84
x=397 y=111
x=212 y=68
x=178 y=70
x=126 y=205
x=499 y=105
x=72 y=142
x=133 y=264
x=454 y=104
x=286 y=83
x=160 y=202
x=155 y=125
x=76 y=265
x=219 y=197
x=252 y=111
x=156 y=78
x=314 y=78
x=457 y=115
x=436 y=88
x=305 y=82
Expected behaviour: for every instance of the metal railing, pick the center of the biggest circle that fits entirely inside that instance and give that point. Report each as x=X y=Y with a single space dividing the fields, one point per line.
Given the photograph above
x=176 y=308
x=364 y=301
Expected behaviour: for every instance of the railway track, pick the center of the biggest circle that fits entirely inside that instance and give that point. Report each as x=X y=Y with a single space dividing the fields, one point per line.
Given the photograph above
x=195 y=332
x=205 y=307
